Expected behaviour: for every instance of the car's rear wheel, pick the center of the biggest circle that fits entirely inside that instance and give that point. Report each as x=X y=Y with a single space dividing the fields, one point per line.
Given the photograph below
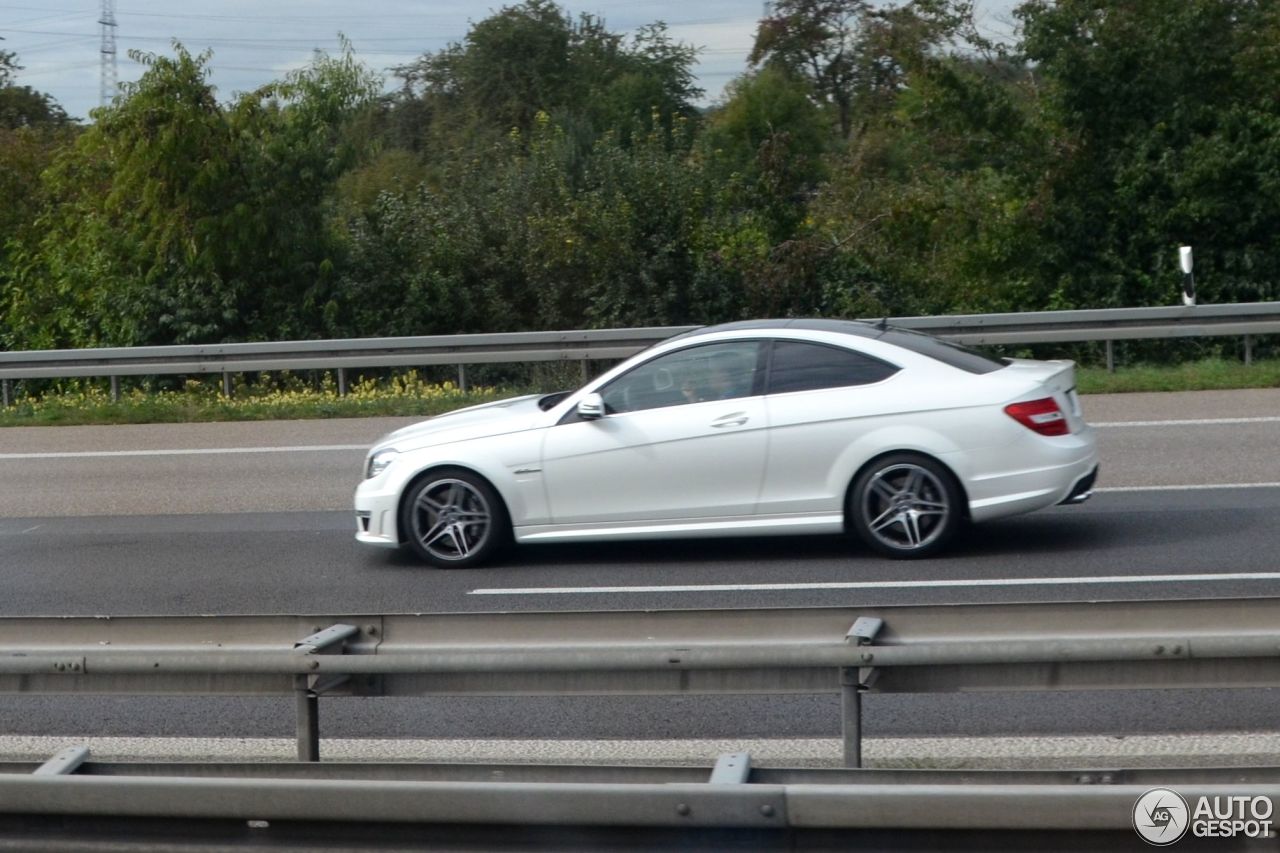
x=906 y=505
x=454 y=519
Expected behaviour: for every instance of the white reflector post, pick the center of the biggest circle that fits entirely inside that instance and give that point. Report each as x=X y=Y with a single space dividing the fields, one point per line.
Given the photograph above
x=1188 y=280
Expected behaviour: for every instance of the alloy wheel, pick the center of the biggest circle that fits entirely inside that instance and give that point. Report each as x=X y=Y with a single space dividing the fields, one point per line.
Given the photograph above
x=450 y=519
x=905 y=507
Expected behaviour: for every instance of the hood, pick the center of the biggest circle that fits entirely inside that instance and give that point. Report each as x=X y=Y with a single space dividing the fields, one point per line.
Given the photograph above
x=513 y=415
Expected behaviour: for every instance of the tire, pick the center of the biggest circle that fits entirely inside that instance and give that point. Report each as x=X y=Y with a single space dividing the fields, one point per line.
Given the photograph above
x=906 y=506
x=453 y=519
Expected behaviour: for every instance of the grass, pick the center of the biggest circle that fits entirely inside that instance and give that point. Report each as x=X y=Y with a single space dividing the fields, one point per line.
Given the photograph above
x=287 y=397
x=1213 y=374
x=87 y=403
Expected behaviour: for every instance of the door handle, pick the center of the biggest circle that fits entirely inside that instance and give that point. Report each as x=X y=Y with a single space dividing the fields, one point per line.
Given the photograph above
x=735 y=419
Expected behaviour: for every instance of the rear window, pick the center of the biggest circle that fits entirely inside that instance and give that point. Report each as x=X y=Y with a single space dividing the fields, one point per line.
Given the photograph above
x=800 y=366
x=956 y=355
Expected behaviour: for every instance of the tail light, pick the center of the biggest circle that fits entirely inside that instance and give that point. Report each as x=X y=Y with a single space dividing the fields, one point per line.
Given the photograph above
x=1044 y=416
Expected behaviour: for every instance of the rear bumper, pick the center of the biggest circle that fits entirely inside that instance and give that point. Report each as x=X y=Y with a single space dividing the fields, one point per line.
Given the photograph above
x=1058 y=470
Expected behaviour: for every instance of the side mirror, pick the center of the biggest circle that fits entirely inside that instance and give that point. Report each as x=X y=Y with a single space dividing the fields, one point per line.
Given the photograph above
x=591 y=407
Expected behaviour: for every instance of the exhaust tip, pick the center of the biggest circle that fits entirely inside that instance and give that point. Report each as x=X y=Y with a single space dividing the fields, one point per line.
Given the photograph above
x=1082 y=490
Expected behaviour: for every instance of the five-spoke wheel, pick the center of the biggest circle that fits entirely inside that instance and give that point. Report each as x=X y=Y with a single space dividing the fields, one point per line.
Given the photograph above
x=453 y=519
x=905 y=505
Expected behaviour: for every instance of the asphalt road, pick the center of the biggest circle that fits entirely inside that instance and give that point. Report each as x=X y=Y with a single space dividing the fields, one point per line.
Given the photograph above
x=234 y=518
x=308 y=562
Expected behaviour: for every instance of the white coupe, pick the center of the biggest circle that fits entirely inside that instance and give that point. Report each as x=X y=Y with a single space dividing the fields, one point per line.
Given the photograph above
x=751 y=428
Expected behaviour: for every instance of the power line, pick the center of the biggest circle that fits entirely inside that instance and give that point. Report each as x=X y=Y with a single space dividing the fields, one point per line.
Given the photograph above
x=27 y=21
x=29 y=49
x=293 y=19
x=243 y=41
x=288 y=19
x=58 y=69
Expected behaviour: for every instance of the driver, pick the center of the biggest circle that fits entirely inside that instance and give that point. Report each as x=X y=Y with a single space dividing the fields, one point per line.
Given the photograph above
x=726 y=380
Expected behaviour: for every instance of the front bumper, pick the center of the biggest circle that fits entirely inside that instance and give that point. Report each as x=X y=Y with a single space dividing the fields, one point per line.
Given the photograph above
x=376 y=512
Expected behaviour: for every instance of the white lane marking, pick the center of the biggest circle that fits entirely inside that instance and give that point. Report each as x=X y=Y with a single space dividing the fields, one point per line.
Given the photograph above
x=1196 y=422
x=191 y=451
x=895 y=585
x=1191 y=487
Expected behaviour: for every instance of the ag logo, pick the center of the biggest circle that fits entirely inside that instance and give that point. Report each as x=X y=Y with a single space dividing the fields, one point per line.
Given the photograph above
x=1161 y=816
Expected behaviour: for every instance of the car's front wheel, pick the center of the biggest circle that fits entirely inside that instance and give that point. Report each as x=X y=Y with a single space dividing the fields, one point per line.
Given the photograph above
x=905 y=506
x=453 y=519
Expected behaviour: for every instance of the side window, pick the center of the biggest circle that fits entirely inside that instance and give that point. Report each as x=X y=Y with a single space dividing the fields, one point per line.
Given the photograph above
x=799 y=366
x=693 y=375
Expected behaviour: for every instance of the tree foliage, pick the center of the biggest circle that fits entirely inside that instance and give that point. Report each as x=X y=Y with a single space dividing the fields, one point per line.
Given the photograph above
x=547 y=172
x=22 y=106
x=518 y=240
x=1166 y=115
x=175 y=218
x=857 y=55
x=533 y=58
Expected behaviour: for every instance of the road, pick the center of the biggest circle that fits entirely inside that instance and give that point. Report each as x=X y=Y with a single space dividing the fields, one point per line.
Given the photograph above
x=253 y=517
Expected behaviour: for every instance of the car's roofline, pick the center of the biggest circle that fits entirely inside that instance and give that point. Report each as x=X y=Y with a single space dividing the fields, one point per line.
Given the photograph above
x=857 y=328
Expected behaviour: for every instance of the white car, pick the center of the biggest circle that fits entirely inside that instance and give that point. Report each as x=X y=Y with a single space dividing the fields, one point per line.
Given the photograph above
x=758 y=427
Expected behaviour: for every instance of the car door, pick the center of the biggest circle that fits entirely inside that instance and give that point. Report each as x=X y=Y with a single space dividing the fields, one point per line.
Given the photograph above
x=684 y=437
x=819 y=400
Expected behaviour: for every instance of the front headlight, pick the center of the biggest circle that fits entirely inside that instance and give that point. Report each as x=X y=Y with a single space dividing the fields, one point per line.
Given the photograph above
x=379 y=461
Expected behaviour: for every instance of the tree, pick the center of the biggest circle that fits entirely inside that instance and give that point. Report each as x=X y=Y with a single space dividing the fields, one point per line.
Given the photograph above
x=178 y=219
x=528 y=236
x=1166 y=120
x=769 y=139
x=22 y=106
x=33 y=129
x=856 y=54
x=8 y=64
x=532 y=58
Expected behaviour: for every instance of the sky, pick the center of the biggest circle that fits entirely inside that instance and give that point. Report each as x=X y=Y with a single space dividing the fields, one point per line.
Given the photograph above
x=58 y=42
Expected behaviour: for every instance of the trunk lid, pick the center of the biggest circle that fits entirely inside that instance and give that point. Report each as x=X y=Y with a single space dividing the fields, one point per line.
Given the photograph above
x=1055 y=379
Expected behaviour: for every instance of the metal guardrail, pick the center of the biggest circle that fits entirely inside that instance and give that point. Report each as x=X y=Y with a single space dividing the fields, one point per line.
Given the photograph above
x=685 y=804
x=1103 y=324
x=338 y=355
x=1214 y=643
x=1243 y=319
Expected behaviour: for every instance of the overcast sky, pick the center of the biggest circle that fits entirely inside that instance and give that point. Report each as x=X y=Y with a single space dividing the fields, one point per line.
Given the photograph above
x=58 y=41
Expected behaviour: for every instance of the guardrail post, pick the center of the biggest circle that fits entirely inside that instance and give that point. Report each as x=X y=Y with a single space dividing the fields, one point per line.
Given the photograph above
x=342 y=382
x=1111 y=357
x=732 y=768
x=115 y=389
x=462 y=377
x=226 y=384
x=1248 y=350
x=854 y=681
x=308 y=704
x=851 y=716
x=65 y=763
x=307 y=688
x=7 y=391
